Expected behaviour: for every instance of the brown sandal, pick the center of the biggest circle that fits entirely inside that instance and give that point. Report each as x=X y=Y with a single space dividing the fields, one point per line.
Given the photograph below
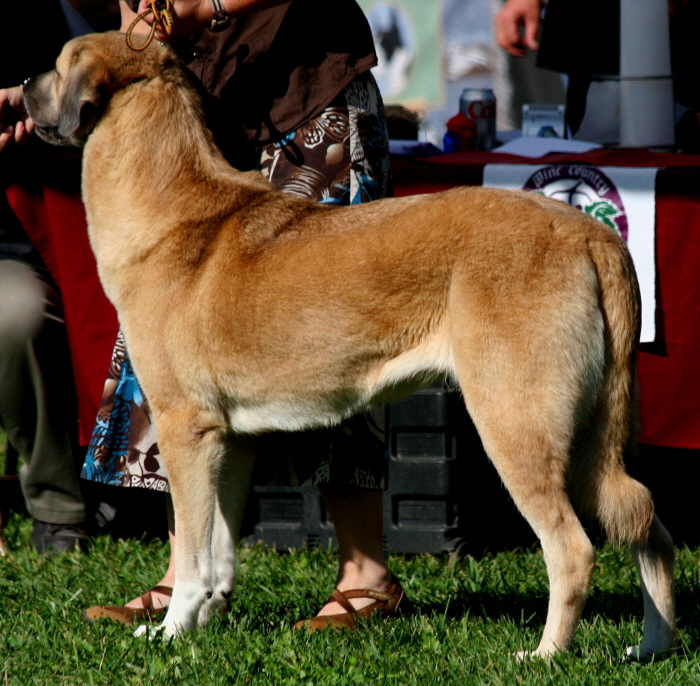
x=390 y=604
x=129 y=615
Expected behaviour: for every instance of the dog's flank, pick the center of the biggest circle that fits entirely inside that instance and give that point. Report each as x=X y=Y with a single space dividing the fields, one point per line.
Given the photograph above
x=247 y=310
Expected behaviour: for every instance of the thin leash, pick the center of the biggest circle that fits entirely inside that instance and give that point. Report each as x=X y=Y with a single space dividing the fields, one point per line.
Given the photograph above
x=161 y=15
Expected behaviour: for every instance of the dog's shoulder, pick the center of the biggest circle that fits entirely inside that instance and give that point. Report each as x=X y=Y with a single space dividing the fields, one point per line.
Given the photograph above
x=270 y=217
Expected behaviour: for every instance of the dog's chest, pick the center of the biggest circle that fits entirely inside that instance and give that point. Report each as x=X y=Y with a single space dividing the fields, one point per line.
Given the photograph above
x=296 y=402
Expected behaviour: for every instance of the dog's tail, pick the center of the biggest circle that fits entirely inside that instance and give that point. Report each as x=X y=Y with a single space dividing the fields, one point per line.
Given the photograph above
x=600 y=482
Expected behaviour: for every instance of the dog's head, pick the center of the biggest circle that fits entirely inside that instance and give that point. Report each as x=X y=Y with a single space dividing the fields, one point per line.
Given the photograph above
x=66 y=103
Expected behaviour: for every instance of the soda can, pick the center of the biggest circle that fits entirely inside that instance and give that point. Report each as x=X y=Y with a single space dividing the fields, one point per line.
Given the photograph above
x=479 y=105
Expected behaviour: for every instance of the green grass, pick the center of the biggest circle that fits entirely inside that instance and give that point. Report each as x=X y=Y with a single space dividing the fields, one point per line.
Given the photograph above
x=470 y=619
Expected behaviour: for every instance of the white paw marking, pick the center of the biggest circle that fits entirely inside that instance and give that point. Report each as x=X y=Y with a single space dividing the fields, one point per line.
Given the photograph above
x=150 y=631
x=639 y=654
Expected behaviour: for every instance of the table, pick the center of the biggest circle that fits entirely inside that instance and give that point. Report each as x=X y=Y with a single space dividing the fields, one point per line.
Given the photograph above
x=669 y=369
x=45 y=197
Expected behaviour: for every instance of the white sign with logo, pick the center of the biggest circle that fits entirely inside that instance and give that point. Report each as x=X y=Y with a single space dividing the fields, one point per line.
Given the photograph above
x=622 y=198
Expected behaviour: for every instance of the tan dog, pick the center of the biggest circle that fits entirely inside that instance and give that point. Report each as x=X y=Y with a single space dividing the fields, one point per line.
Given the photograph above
x=249 y=310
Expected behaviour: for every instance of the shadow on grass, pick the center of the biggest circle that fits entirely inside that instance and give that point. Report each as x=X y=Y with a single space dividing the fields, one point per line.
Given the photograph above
x=519 y=608
x=513 y=605
x=525 y=609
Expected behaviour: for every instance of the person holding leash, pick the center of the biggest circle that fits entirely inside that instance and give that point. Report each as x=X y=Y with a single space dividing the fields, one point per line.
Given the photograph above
x=287 y=91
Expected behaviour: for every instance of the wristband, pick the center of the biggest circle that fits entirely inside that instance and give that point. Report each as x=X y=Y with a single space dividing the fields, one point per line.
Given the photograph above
x=220 y=19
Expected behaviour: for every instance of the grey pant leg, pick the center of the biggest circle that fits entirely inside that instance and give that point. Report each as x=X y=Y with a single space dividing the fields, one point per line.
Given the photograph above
x=38 y=409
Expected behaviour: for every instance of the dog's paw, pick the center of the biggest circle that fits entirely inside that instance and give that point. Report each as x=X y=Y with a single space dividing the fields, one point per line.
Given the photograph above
x=151 y=631
x=218 y=604
x=523 y=655
x=641 y=654
x=637 y=654
x=143 y=630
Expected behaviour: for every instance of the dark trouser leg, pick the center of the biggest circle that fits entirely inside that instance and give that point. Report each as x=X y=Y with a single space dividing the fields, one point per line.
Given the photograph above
x=37 y=398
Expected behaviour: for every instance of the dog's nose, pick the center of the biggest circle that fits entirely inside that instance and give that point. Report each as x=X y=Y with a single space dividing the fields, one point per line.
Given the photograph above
x=27 y=85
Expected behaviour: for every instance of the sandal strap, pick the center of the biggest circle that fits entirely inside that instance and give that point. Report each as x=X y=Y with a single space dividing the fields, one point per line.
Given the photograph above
x=163 y=590
x=148 y=597
x=343 y=597
x=342 y=600
x=366 y=593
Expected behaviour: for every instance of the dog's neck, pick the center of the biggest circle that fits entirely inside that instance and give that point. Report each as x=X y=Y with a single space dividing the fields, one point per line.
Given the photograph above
x=150 y=144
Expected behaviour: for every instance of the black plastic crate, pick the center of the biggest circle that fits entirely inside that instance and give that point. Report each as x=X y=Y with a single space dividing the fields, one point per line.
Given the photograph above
x=421 y=513
x=420 y=507
x=286 y=517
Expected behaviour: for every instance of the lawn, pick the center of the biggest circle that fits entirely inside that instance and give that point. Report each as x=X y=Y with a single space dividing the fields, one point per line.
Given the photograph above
x=470 y=618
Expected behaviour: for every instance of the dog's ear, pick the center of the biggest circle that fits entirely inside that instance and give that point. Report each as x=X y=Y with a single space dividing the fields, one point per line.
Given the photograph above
x=81 y=103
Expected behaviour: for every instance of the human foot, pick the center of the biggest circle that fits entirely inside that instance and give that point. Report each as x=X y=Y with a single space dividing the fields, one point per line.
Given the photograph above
x=146 y=607
x=345 y=607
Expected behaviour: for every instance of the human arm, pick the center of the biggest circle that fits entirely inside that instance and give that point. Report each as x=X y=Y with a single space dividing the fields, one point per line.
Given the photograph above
x=517 y=25
x=15 y=123
x=190 y=16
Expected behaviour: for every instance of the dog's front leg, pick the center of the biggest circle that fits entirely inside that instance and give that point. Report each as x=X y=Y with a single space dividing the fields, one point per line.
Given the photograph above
x=192 y=447
x=232 y=483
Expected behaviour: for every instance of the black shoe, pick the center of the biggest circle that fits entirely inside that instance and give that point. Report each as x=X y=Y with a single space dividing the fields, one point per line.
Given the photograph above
x=49 y=539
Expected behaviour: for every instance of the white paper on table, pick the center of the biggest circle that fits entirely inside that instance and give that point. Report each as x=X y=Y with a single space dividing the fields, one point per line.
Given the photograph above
x=532 y=146
x=621 y=197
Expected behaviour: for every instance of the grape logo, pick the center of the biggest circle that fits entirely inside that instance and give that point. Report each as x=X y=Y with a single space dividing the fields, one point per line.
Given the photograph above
x=585 y=188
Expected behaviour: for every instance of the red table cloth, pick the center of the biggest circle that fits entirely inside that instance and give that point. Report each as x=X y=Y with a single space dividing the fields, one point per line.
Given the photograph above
x=46 y=199
x=669 y=369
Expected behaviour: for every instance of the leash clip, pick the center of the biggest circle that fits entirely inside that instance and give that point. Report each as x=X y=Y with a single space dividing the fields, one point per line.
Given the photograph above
x=160 y=9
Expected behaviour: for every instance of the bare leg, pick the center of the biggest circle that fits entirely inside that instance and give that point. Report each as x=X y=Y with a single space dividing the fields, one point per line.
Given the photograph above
x=160 y=600
x=357 y=515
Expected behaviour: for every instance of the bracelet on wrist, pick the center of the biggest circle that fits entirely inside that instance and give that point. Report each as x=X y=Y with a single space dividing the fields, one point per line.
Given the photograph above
x=220 y=19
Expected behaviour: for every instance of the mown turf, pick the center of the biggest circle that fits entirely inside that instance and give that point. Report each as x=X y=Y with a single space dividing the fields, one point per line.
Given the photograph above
x=470 y=619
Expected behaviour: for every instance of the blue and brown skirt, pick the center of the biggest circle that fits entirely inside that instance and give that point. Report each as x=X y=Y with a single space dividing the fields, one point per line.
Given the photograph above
x=340 y=157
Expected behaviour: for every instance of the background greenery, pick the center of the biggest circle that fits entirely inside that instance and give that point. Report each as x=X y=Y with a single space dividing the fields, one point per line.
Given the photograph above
x=470 y=618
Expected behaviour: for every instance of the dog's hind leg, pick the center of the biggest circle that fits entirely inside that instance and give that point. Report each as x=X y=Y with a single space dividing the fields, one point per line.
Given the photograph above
x=539 y=492
x=626 y=511
x=655 y=563
x=193 y=445
x=233 y=480
x=524 y=401
x=601 y=487
x=531 y=461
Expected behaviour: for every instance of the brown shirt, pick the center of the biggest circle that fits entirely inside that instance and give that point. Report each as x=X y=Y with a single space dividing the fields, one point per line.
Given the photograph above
x=275 y=69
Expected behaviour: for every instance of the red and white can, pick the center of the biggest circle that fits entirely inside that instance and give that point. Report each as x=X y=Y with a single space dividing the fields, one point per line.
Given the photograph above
x=479 y=105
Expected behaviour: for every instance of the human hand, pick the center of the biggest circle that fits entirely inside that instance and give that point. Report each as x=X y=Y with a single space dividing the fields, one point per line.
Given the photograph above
x=517 y=25
x=189 y=17
x=15 y=123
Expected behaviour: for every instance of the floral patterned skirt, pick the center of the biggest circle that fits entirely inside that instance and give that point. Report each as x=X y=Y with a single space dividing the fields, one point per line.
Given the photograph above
x=340 y=157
